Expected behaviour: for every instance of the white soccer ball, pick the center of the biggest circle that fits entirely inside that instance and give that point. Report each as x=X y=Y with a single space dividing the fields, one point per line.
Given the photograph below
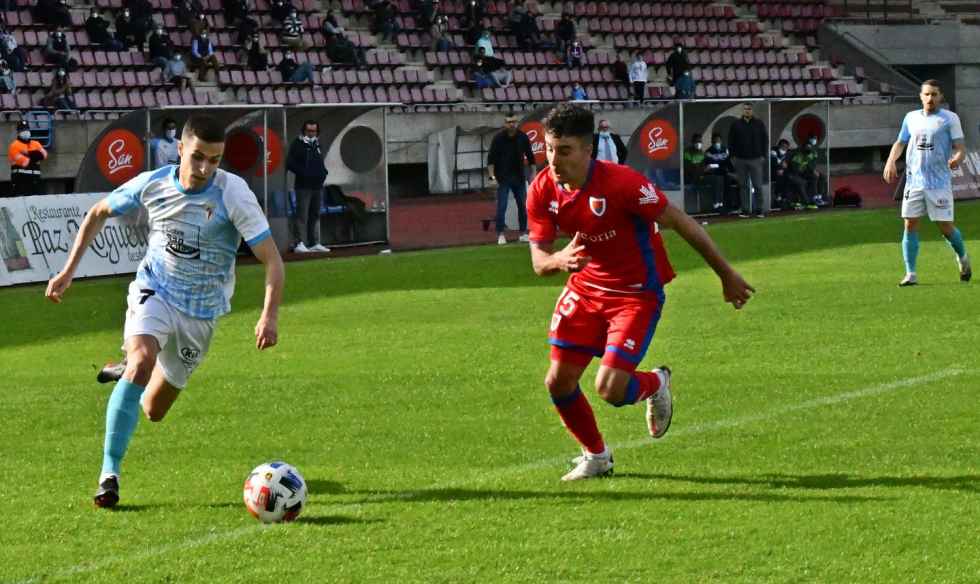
x=274 y=492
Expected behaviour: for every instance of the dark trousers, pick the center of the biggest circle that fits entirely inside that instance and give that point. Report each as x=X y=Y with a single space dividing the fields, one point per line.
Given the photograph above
x=750 y=169
x=639 y=90
x=504 y=188
x=804 y=184
x=24 y=185
x=306 y=222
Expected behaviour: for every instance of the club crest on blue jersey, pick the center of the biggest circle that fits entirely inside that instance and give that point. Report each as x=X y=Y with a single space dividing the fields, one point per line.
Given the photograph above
x=597 y=205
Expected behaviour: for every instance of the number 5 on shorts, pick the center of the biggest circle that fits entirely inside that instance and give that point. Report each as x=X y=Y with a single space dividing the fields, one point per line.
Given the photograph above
x=566 y=302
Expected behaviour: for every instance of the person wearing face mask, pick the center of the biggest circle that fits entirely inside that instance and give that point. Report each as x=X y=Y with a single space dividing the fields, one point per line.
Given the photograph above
x=718 y=163
x=293 y=71
x=60 y=95
x=57 y=51
x=695 y=179
x=25 y=156
x=127 y=32
x=291 y=33
x=749 y=143
x=8 y=84
x=176 y=72
x=607 y=145
x=678 y=66
x=802 y=172
x=778 y=165
x=203 y=57
x=164 y=148
x=161 y=47
x=97 y=28
x=305 y=161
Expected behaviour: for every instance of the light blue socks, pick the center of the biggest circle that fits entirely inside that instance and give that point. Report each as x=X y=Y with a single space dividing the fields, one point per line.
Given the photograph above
x=122 y=414
x=955 y=241
x=910 y=250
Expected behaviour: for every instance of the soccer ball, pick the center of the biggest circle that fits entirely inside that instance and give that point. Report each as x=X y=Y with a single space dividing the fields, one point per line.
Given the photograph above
x=274 y=492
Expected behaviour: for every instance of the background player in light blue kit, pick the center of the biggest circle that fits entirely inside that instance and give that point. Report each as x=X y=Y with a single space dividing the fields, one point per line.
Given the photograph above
x=197 y=216
x=936 y=139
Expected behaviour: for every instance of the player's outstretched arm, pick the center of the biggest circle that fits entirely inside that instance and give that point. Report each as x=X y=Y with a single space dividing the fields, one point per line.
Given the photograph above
x=891 y=170
x=267 y=329
x=570 y=258
x=734 y=288
x=91 y=225
x=959 y=153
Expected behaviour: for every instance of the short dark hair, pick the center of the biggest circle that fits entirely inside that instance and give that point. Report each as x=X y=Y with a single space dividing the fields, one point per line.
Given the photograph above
x=569 y=120
x=933 y=83
x=168 y=122
x=715 y=136
x=695 y=137
x=311 y=123
x=206 y=127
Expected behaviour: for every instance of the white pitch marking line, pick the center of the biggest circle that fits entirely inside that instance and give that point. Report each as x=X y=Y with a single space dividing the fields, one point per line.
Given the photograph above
x=691 y=430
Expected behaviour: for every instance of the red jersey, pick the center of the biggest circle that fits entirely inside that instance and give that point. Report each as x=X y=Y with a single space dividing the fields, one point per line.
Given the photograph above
x=614 y=213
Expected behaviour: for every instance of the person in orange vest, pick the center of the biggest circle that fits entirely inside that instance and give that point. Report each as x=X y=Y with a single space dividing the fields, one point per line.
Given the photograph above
x=25 y=157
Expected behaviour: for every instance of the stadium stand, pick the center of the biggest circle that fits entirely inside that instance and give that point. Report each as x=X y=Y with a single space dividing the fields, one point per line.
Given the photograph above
x=744 y=48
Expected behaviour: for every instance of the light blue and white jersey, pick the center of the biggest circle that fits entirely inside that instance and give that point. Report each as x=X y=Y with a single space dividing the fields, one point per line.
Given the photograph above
x=930 y=146
x=190 y=258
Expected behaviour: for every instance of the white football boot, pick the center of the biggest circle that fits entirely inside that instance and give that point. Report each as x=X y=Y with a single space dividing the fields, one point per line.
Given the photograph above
x=590 y=466
x=660 y=405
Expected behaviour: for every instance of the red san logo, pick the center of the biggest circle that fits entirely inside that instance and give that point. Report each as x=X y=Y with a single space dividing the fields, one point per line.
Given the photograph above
x=658 y=138
x=120 y=156
x=535 y=133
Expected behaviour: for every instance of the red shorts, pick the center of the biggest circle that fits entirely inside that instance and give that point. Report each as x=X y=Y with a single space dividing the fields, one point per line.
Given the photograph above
x=616 y=327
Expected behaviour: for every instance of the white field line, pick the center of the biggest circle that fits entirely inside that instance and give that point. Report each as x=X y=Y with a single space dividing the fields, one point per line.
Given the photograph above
x=220 y=536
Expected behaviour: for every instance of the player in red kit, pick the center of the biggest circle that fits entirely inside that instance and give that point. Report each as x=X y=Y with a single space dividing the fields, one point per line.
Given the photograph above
x=612 y=301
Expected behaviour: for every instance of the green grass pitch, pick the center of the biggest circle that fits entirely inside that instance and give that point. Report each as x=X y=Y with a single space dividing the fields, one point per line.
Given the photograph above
x=825 y=433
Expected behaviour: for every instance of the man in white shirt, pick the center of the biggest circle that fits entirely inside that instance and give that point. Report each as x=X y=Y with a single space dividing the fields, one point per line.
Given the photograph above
x=638 y=77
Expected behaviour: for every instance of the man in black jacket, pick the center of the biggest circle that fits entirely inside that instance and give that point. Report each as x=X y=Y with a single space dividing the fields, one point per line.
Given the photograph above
x=607 y=145
x=305 y=161
x=748 y=142
x=509 y=151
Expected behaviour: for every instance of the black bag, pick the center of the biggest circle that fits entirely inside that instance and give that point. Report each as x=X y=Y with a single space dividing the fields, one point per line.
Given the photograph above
x=846 y=197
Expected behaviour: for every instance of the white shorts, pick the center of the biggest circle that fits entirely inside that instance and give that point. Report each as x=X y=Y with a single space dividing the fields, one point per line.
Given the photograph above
x=938 y=202
x=183 y=339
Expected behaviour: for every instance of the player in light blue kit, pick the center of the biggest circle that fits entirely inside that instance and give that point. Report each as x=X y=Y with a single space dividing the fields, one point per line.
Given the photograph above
x=936 y=139
x=197 y=216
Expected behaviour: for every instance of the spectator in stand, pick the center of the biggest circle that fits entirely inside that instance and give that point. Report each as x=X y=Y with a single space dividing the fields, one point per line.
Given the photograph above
x=509 y=157
x=578 y=93
x=490 y=71
x=57 y=51
x=199 y=23
x=127 y=33
x=140 y=10
x=439 y=33
x=474 y=11
x=677 y=65
x=384 y=23
x=253 y=53
x=53 y=12
x=607 y=145
x=291 y=33
x=177 y=73
x=60 y=95
x=305 y=161
x=485 y=43
x=778 y=165
x=293 y=71
x=14 y=54
x=684 y=88
x=97 y=28
x=279 y=9
x=718 y=163
x=565 y=34
x=163 y=149
x=237 y=13
x=576 y=55
x=161 y=47
x=475 y=31
x=331 y=27
x=523 y=24
x=187 y=10
x=803 y=174
x=621 y=72
x=749 y=142
x=638 y=77
x=7 y=82
x=203 y=57
x=345 y=52
x=426 y=13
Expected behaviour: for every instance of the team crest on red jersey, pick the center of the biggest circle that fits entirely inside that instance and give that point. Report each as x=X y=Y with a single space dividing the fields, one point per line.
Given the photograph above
x=598 y=205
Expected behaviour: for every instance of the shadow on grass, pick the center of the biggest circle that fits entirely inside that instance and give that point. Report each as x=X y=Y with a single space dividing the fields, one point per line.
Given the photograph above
x=564 y=493
x=334 y=520
x=824 y=482
x=136 y=507
x=323 y=487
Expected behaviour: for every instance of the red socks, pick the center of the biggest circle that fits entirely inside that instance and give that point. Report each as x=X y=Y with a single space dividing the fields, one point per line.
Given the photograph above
x=647 y=383
x=576 y=414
